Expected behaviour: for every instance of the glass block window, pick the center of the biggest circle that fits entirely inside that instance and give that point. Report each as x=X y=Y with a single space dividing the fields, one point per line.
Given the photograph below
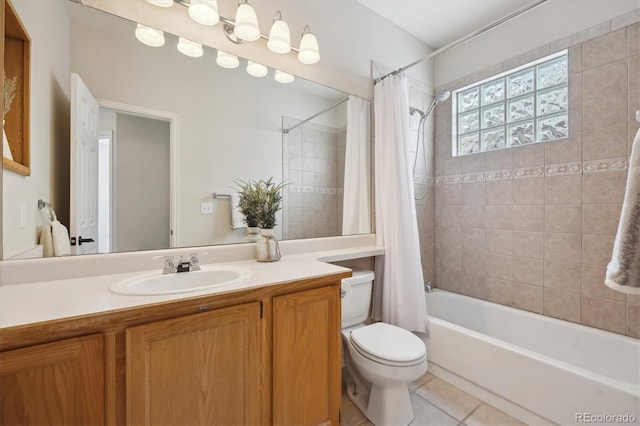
x=522 y=106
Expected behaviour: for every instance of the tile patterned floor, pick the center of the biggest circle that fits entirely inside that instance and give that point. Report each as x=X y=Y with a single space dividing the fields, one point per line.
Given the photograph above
x=437 y=403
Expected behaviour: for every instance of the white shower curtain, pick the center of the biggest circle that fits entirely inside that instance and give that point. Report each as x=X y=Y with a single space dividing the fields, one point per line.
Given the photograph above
x=401 y=297
x=356 y=207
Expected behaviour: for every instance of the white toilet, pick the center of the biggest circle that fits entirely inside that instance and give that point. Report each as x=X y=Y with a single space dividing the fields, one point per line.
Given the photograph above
x=381 y=359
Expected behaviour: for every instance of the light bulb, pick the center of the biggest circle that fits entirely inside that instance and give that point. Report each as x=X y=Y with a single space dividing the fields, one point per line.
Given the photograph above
x=204 y=12
x=279 y=36
x=149 y=36
x=246 y=26
x=226 y=60
x=283 y=77
x=189 y=48
x=256 y=70
x=161 y=3
x=309 y=52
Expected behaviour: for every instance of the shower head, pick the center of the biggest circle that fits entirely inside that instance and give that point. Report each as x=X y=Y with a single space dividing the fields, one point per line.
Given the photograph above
x=443 y=96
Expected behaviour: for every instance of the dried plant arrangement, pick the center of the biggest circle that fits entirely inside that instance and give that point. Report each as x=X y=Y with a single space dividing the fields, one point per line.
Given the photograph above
x=9 y=92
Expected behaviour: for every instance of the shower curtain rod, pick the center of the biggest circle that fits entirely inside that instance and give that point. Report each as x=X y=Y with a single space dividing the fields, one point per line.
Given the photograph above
x=285 y=131
x=464 y=39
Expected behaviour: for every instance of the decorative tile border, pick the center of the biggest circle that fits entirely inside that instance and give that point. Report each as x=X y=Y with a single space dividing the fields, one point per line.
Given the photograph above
x=565 y=169
x=312 y=189
x=612 y=165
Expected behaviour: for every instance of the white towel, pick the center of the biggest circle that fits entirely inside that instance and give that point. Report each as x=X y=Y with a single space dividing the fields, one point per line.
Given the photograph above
x=60 y=234
x=46 y=237
x=237 y=219
x=623 y=272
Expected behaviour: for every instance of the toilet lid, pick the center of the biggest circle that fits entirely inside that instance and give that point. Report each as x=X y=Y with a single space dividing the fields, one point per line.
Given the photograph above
x=388 y=342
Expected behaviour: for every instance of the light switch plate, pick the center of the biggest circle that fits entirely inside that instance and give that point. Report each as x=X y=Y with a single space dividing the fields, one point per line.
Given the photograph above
x=206 y=208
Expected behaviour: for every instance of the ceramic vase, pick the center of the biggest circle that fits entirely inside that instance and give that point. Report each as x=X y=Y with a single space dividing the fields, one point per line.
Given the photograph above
x=267 y=247
x=253 y=234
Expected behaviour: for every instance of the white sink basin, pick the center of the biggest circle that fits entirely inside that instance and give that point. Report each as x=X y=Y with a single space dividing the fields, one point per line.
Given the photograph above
x=154 y=283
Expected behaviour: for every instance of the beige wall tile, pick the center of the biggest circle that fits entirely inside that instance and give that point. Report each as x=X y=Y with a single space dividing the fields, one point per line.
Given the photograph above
x=600 y=219
x=488 y=415
x=575 y=89
x=451 y=259
x=473 y=239
x=499 y=242
x=451 y=216
x=562 y=276
x=566 y=150
x=634 y=104
x=604 y=49
x=563 y=305
x=528 y=244
x=451 y=165
x=581 y=36
x=563 y=189
x=633 y=35
x=451 y=238
x=448 y=398
x=626 y=20
x=473 y=217
x=499 y=217
x=451 y=194
x=499 y=160
x=529 y=191
x=527 y=297
x=499 y=192
x=634 y=72
x=633 y=321
x=604 y=188
x=473 y=284
x=498 y=266
x=526 y=57
x=605 y=143
x=473 y=193
x=498 y=291
x=634 y=299
x=593 y=284
x=448 y=279
x=473 y=163
x=563 y=218
x=474 y=264
x=596 y=249
x=528 y=271
x=603 y=313
x=605 y=80
x=528 y=155
x=607 y=111
x=528 y=218
x=563 y=247
x=575 y=59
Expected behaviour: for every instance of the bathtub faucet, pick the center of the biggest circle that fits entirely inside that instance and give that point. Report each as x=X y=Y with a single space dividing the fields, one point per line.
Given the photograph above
x=427 y=287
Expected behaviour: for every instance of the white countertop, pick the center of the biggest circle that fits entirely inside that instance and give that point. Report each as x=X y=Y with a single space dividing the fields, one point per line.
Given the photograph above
x=34 y=302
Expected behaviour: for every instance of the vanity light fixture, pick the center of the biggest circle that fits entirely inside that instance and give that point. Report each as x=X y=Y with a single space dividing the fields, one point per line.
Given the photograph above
x=189 y=48
x=204 y=12
x=149 y=36
x=256 y=70
x=226 y=60
x=246 y=25
x=279 y=36
x=161 y=3
x=309 y=52
x=283 y=77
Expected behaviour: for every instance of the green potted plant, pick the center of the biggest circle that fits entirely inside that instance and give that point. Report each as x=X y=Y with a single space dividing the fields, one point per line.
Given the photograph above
x=270 y=201
x=249 y=205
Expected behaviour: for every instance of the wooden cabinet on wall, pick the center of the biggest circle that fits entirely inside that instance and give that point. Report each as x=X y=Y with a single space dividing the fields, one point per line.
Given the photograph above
x=60 y=383
x=255 y=357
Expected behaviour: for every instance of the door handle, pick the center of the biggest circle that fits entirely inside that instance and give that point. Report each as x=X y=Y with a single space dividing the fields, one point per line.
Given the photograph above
x=81 y=240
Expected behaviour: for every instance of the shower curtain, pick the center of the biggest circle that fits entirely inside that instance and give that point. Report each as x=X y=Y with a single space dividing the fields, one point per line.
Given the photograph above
x=356 y=208
x=400 y=298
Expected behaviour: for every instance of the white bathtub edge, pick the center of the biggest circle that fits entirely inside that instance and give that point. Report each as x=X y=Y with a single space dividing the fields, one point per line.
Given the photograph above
x=485 y=395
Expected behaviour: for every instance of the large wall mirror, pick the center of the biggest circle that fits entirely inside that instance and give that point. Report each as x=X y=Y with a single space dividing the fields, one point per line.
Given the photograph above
x=174 y=135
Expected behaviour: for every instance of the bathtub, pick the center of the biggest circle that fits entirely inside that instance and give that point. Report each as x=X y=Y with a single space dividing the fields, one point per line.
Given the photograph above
x=539 y=369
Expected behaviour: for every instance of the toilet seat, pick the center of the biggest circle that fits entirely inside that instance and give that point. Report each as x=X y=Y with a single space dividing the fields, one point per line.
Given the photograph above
x=389 y=345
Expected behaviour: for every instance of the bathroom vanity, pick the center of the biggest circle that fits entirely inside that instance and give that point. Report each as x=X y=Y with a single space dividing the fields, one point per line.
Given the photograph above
x=266 y=351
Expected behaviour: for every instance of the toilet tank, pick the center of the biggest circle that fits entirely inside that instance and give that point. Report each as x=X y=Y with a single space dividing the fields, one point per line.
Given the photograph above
x=357 y=297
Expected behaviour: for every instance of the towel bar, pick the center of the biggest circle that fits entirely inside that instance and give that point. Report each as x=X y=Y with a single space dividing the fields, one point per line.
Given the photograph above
x=216 y=195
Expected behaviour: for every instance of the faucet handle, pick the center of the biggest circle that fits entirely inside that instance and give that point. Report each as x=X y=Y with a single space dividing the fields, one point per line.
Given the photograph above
x=195 y=262
x=169 y=265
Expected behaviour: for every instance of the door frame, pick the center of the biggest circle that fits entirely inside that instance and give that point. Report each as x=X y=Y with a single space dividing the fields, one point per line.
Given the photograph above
x=174 y=132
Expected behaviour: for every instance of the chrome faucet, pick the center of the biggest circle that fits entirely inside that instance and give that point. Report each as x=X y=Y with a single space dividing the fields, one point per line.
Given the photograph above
x=427 y=287
x=183 y=265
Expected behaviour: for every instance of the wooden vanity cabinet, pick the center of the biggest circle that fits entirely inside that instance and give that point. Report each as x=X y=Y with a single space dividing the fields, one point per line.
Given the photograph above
x=201 y=369
x=59 y=383
x=269 y=355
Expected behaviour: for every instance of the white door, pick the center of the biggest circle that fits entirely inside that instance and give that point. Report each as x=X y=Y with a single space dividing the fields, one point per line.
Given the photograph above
x=83 y=226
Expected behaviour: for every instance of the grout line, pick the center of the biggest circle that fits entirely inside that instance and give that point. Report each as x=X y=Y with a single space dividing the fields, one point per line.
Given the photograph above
x=472 y=411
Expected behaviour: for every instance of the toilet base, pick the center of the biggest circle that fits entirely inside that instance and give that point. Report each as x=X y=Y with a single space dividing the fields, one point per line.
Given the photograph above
x=383 y=406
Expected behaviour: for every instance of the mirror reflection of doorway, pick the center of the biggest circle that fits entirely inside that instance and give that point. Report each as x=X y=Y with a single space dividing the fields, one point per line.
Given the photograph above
x=134 y=180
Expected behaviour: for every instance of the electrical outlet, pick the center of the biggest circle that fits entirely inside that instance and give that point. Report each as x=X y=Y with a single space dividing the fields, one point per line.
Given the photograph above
x=206 y=208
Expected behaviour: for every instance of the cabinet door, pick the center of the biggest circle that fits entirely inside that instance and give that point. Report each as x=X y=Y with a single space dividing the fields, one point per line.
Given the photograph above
x=202 y=369
x=60 y=383
x=306 y=357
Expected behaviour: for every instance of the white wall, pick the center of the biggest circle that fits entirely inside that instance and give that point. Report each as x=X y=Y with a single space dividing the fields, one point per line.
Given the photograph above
x=47 y=25
x=545 y=24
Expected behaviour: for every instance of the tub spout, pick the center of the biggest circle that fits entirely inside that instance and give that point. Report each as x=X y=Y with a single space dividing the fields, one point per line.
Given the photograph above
x=427 y=287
